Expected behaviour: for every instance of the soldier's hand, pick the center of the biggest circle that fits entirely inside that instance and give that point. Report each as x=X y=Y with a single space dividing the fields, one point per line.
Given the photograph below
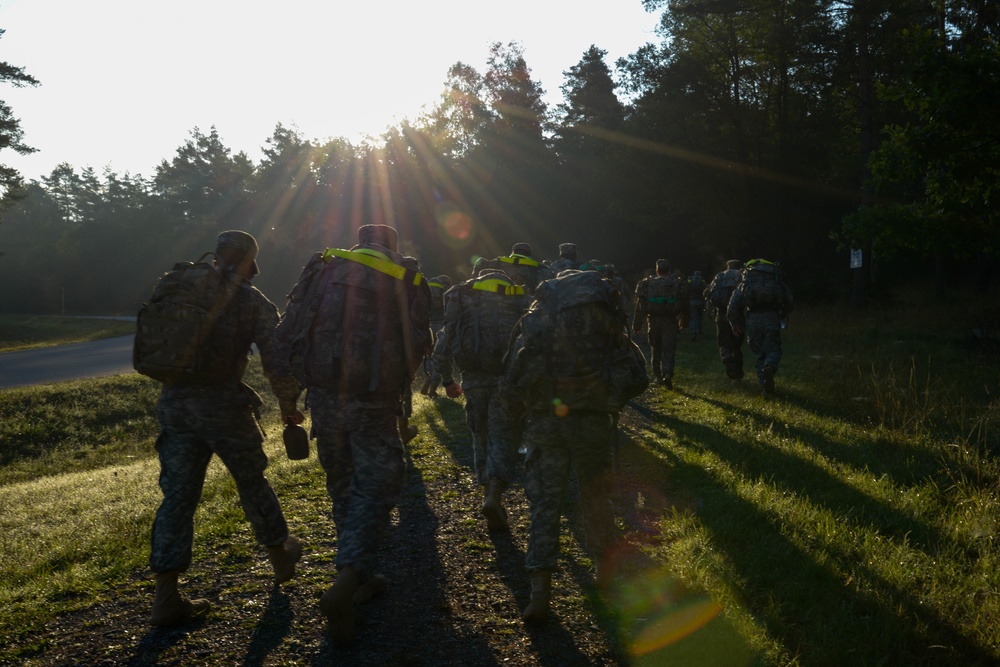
x=293 y=417
x=453 y=389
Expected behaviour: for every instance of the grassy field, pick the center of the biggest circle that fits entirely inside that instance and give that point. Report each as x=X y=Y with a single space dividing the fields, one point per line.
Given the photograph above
x=21 y=332
x=852 y=521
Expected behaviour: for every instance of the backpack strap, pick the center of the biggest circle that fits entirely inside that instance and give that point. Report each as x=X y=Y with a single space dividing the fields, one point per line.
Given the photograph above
x=498 y=286
x=519 y=260
x=373 y=259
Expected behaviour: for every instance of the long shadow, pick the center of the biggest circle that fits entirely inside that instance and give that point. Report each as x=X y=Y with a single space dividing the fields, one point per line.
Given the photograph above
x=904 y=466
x=797 y=599
x=411 y=623
x=156 y=641
x=273 y=627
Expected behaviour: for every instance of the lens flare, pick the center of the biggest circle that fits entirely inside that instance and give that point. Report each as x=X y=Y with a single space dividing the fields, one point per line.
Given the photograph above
x=454 y=226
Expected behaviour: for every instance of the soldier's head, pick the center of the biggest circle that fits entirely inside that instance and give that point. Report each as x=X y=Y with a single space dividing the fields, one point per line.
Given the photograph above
x=382 y=235
x=444 y=280
x=521 y=248
x=238 y=251
x=697 y=273
x=663 y=267
x=734 y=264
x=568 y=250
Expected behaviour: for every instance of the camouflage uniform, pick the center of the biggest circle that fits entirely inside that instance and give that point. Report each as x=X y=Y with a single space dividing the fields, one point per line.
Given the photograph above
x=356 y=432
x=438 y=286
x=521 y=268
x=555 y=441
x=199 y=421
x=554 y=444
x=696 y=288
x=662 y=325
x=762 y=326
x=361 y=452
x=493 y=442
x=730 y=344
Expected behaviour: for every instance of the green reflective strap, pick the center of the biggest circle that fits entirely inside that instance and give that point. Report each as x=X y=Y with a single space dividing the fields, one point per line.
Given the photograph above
x=375 y=260
x=661 y=299
x=498 y=286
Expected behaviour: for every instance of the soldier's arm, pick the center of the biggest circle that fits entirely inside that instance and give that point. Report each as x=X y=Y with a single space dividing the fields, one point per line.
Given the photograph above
x=283 y=384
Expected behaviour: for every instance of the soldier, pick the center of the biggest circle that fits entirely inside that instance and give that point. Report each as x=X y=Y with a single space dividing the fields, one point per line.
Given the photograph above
x=480 y=314
x=718 y=293
x=567 y=259
x=354 y=332
x=220 y=418
x=521 y=268
x=696 y=288
x=758 y=308
x=558 y=370
x=438 y=286
x=661 y=303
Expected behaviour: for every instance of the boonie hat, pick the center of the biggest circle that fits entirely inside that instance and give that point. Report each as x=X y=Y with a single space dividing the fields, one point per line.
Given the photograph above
x=240 y=242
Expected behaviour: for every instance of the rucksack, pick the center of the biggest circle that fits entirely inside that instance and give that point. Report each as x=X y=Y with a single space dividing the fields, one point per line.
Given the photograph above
x=663 y=294
x=189 y=332
x=577 y=326
x=485 y=311
x=762 y=287
x=356 y=323
x=721 y=289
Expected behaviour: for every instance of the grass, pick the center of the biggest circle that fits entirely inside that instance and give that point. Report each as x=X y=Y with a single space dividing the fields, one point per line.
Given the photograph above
x=852 y=521
x=22 y=332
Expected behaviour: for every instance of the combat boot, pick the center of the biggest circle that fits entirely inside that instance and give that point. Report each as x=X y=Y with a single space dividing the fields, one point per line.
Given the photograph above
x=337 y=605
x=537 y=610
x=768 y=373
x=492 y=509
x=283 y=558
x=169 y=606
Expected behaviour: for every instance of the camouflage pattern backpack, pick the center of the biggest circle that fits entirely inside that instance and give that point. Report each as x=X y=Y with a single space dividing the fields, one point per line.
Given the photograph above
x=577 y=327
x=356 y=323
x=721 y=289
x=663 y=295
x=762 y=287
x=480 y=315
x=189 y=332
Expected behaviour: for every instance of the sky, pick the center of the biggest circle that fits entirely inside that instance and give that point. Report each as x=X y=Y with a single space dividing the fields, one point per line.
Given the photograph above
x=124 y=82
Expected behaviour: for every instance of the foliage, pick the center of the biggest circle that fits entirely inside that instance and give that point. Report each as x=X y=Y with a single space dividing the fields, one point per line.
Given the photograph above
x=749 y=129
x=11 y=134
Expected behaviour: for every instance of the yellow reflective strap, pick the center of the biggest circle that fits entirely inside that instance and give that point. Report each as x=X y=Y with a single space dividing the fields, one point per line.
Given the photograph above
x=519 y=259
x=498 y=286
x=374 y=260
x=430 y=284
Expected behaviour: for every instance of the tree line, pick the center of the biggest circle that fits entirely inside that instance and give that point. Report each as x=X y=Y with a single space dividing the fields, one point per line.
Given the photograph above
x=794 y=130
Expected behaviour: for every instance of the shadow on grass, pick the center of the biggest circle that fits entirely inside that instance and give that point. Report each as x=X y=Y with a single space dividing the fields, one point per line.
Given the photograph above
x=822 y=608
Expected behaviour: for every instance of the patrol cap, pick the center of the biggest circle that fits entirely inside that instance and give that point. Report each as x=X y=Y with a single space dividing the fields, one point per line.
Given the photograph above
x=382 y=235
x=241 y=244
x=444 y=280
x=567 y=249
x=662 y=265
x=521 y=248
x=734 y=264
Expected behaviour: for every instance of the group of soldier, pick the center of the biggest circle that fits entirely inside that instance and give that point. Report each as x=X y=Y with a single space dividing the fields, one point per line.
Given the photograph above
x=473 y=341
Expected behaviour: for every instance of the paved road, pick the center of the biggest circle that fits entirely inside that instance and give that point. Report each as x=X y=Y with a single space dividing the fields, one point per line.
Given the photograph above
x=110 y=356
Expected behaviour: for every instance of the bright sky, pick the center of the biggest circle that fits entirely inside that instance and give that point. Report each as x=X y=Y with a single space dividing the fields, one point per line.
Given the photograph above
x=123 y=82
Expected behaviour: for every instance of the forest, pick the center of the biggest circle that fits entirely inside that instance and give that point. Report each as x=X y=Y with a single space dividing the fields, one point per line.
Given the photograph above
x=793 y=130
